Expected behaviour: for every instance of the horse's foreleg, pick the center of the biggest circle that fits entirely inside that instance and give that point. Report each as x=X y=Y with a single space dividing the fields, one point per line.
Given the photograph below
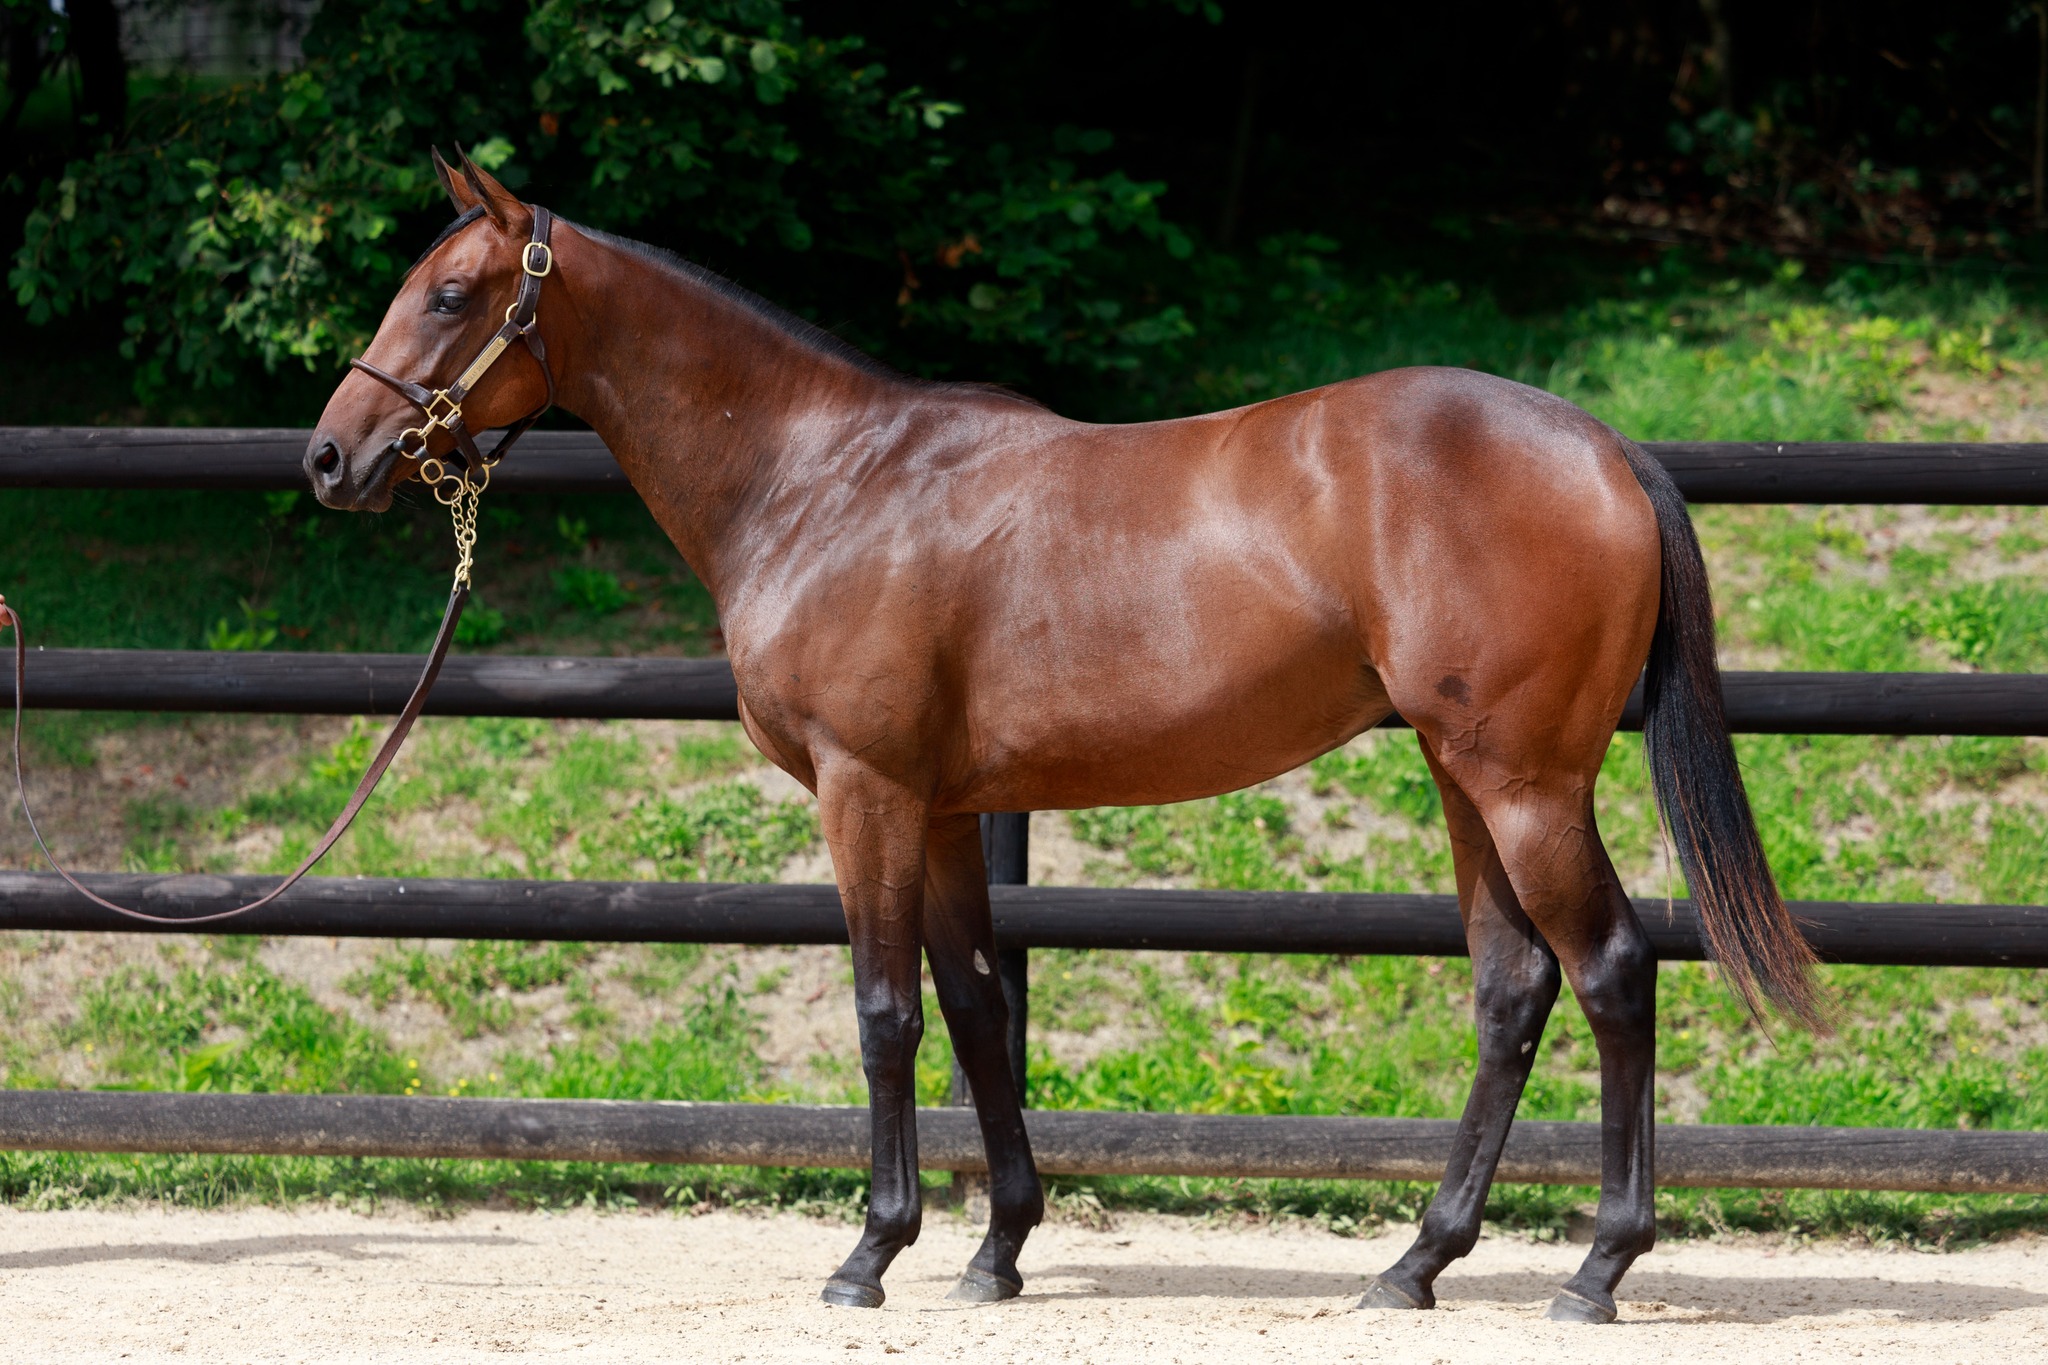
x=876 y=831
x=1514 y=981
x=960 y=940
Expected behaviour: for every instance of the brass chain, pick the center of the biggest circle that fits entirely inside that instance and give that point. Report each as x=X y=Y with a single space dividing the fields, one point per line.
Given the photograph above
x=460 y=494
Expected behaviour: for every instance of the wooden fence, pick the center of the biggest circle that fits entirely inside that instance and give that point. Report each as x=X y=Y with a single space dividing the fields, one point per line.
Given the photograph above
x=1026 y=916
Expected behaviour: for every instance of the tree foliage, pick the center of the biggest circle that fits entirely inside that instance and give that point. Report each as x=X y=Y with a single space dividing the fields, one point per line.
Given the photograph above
x=938 y=181
x=267 y=223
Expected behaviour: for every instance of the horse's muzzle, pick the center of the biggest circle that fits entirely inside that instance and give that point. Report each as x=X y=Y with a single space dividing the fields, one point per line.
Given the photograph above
x=328 y=470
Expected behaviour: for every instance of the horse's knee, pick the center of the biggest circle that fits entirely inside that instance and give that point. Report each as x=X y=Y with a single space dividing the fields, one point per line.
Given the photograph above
x=890 y=1029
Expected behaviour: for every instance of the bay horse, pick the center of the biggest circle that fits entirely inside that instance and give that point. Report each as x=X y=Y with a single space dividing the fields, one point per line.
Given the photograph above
x=941 y=599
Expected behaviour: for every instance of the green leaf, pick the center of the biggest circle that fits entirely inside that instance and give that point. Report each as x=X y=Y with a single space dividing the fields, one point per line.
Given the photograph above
x=492 y=153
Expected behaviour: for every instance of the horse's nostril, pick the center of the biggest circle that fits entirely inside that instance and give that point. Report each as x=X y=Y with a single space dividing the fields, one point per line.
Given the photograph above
x=327 y=460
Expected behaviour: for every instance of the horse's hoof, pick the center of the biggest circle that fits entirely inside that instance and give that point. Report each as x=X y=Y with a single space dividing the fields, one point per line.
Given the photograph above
x=979 y=1286
x=1572 y=1306
x=847 y=1294
x=1380 y=1294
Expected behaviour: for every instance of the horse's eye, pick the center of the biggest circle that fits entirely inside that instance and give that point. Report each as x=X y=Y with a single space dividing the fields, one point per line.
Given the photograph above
x=449 y=301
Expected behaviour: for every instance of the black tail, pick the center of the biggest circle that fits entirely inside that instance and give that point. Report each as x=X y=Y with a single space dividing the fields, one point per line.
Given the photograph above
x=1748 y=930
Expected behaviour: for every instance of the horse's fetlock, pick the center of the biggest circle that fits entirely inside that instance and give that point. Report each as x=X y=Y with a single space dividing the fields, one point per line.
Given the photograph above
x=1449 y=1235
x=1630 y=1232
x=894 y=1223
x=1019 y=1204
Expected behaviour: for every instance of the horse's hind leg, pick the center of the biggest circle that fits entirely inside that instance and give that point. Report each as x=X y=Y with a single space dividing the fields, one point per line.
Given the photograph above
x=876 y=831
x=961 y=943
x=1514 y=980
x=1541 y=819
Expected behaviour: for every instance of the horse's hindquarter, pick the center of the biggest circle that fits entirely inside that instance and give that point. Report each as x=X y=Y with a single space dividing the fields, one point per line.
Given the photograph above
x=1063 y=615
x=1511 y=570
x=1238 y=593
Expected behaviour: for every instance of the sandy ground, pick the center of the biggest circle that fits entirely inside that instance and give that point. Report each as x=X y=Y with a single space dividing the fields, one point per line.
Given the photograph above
x=270 y=1285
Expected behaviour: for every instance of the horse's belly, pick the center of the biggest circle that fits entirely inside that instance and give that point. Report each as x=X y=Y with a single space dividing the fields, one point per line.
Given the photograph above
x=1145 y=731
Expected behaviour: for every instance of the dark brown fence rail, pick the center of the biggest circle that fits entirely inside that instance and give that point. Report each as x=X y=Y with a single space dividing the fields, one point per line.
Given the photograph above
x=1879 y=933
x=258 y=458
x=1075 y=1142
x=1026 y=916
x=565 y=461
x=703 y=689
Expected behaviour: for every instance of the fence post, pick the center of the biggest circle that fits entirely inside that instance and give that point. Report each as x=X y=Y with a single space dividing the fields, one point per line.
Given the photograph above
x=1006 y=848
x=1006 y=852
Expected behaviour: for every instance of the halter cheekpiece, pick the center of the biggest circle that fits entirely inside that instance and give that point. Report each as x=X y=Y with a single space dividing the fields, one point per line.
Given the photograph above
x=443 y=407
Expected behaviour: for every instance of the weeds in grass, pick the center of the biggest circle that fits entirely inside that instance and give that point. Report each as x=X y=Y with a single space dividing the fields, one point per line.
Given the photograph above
x=219 y=1023
x=595 y=592
x=709 y=1055
x=724 y=832
x=1228 y=842
x=257 y=631
x=473 y=982
x=698 y=757
x=480 y=624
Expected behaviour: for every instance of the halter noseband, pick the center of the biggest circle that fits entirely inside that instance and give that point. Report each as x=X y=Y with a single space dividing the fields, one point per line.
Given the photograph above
x=443 y=407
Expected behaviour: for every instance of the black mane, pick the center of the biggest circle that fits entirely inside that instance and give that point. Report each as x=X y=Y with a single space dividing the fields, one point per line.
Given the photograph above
x=801 y=329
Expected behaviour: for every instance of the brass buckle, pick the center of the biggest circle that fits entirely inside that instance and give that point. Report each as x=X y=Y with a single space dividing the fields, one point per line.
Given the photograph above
x=547 y=263
x=444 y=420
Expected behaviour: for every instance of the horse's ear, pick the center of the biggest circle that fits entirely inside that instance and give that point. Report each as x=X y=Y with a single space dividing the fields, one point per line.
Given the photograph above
x=501 y=204
x=458 y=189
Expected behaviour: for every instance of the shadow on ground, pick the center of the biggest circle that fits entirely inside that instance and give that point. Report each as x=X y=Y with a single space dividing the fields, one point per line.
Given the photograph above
x=1709 y=1298
x=346 y=1246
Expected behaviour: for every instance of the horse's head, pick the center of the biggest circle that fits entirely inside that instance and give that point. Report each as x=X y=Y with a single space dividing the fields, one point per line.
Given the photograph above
x=454 y=299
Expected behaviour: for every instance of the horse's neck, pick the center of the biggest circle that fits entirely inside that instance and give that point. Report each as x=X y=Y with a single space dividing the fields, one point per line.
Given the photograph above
x=708 y=405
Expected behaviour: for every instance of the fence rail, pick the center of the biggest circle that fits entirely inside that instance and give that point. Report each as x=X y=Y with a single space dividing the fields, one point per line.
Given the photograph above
x=703 y=689
x=577 y=462
x=1365 y=923
x=1025 y=916
x=1071 y=1142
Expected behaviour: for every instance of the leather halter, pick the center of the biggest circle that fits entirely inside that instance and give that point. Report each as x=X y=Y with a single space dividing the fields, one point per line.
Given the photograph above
x=443 y=407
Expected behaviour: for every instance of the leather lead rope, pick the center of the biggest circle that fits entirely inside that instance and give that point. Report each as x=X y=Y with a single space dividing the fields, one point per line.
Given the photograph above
x=458 y=490
x=385 y=754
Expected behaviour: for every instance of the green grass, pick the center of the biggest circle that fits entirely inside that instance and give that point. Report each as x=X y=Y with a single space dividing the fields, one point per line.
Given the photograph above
x=1680 y=353
x=172 y=570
